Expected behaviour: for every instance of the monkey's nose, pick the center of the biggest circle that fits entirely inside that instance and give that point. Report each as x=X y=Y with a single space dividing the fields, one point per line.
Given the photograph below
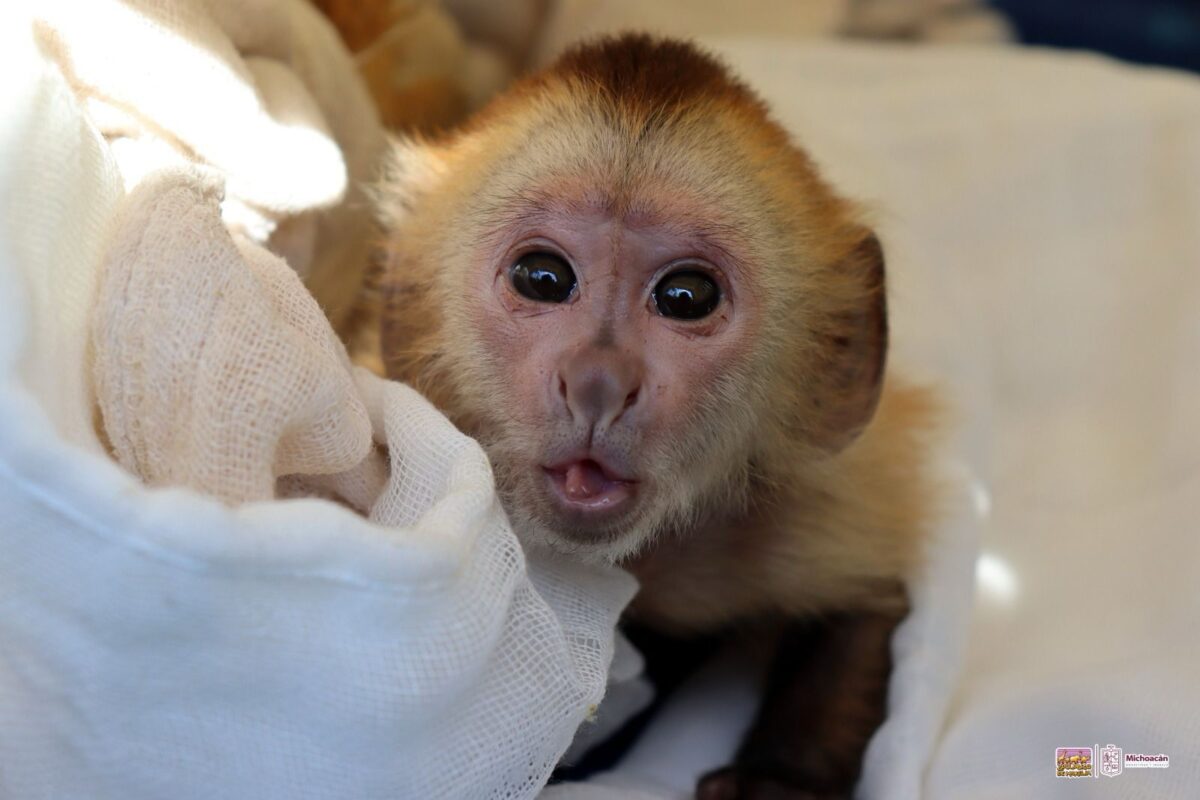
x=598 y=387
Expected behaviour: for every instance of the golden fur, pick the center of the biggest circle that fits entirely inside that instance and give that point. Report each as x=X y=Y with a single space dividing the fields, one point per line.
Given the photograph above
x=782 y=508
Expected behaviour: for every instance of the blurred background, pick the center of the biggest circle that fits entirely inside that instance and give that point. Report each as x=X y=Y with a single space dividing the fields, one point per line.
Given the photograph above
x=1152 y=31
x=428 y=64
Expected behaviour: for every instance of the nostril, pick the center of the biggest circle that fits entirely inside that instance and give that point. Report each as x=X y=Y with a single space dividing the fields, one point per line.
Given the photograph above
x=630 y=399
x=565 y=395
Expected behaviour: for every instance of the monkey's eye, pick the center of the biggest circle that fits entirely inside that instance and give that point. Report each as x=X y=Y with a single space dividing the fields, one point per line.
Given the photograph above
x=687 y=294
x=544 y=277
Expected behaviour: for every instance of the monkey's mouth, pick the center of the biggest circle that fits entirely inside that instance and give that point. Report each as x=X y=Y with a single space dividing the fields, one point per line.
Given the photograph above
x=589 y=487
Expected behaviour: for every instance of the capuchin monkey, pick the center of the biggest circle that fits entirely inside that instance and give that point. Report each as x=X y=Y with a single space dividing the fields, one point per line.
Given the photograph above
x=669 y=334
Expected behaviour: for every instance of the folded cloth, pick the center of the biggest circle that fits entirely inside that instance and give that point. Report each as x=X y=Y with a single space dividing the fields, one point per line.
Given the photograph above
x=157 y=640
x=214 y=367
x=262 y=93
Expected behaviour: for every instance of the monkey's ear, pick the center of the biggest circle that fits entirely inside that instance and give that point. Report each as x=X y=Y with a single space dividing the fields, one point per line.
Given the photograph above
x=852 y=343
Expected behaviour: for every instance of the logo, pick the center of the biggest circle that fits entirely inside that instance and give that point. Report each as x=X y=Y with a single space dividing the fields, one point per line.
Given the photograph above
x=1152 y=760
x=1109 y=761
x=1073 y=762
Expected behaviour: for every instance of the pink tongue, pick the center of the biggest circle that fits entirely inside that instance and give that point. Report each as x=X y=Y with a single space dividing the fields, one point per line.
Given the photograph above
x=585 y=480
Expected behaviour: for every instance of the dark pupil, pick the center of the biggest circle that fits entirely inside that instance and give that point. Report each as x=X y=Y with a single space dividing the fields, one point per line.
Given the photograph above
x=544 y=277
x=686 y=295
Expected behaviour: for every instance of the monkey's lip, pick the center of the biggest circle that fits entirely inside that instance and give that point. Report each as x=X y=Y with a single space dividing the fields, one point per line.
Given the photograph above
x=588 y=485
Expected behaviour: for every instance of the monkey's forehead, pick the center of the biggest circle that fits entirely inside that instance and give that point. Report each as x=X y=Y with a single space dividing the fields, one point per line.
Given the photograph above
x=688 y=221
x=698 y=180
x=575 y=157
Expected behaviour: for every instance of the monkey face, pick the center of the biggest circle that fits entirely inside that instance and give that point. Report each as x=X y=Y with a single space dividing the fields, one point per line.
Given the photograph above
x=636 y=293
x=608 y=337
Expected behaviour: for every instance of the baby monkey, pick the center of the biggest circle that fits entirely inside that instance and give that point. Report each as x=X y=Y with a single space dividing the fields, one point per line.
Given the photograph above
x=669 y=334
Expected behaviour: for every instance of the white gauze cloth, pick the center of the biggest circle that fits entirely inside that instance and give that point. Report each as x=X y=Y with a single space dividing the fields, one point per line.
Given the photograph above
x=158 y=642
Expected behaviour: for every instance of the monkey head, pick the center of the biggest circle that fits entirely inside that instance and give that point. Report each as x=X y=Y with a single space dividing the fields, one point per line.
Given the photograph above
x=628 y=283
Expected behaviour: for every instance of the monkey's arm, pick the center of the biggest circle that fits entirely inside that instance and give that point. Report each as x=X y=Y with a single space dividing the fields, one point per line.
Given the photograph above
x=825 y=698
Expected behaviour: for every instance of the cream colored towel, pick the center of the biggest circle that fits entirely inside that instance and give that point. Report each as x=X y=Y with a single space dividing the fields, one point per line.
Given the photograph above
x=215 y=368
x=260 y=93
